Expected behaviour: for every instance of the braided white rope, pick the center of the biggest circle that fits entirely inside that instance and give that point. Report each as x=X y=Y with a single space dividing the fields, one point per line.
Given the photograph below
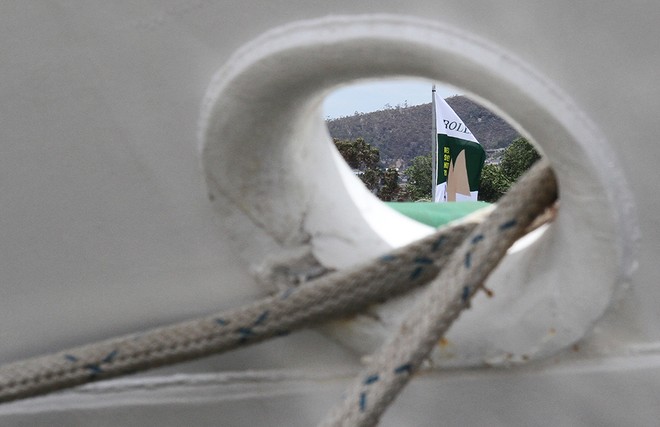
x=326 y=298
x=444 y=299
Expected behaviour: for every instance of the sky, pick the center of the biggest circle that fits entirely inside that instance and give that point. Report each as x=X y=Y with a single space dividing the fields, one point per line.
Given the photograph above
x=375 y=95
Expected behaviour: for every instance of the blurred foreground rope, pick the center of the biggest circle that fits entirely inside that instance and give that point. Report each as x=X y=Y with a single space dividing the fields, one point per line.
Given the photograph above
x=333 y=296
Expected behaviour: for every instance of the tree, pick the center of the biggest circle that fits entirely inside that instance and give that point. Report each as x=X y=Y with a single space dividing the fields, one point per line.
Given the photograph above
x=493 y=183
x=389 y=189
x=358 y=153
x=518 y=157
x=365 y=160
x=362 y=158
x=419 y=177
x=371 y=179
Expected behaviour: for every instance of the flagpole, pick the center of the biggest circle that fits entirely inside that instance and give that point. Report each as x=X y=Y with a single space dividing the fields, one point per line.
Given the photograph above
x=434 y=148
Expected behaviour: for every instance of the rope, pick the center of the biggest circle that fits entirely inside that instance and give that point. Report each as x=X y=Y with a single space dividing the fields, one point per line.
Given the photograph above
x=329 y=297
x=444 y=299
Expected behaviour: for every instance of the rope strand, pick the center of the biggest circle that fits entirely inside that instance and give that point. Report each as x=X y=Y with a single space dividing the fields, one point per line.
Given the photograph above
x=443 y=300
x=328 y=297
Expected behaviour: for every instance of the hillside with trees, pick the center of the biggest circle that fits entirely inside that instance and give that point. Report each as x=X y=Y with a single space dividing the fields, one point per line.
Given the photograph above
x=386 y=183
x=402 y=133
x=390 y=149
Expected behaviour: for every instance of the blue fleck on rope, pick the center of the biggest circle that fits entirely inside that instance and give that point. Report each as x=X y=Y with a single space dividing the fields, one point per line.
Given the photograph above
x=405 y=368
x=262 y=318
x=94 y=369
x=371 y=379
x=508 y=224
x=439 y=242
x=465 y=295
x=110 y=356
x=444 y=299
x=363 y=401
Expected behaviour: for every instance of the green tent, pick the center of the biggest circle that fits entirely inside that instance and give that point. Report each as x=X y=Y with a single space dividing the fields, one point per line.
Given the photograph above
x=436 y=214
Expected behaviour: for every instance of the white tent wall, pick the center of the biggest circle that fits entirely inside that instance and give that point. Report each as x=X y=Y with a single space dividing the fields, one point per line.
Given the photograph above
x=107 y=227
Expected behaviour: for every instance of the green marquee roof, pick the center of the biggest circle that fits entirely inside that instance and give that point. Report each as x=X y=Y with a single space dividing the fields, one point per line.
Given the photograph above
x=436 y=214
